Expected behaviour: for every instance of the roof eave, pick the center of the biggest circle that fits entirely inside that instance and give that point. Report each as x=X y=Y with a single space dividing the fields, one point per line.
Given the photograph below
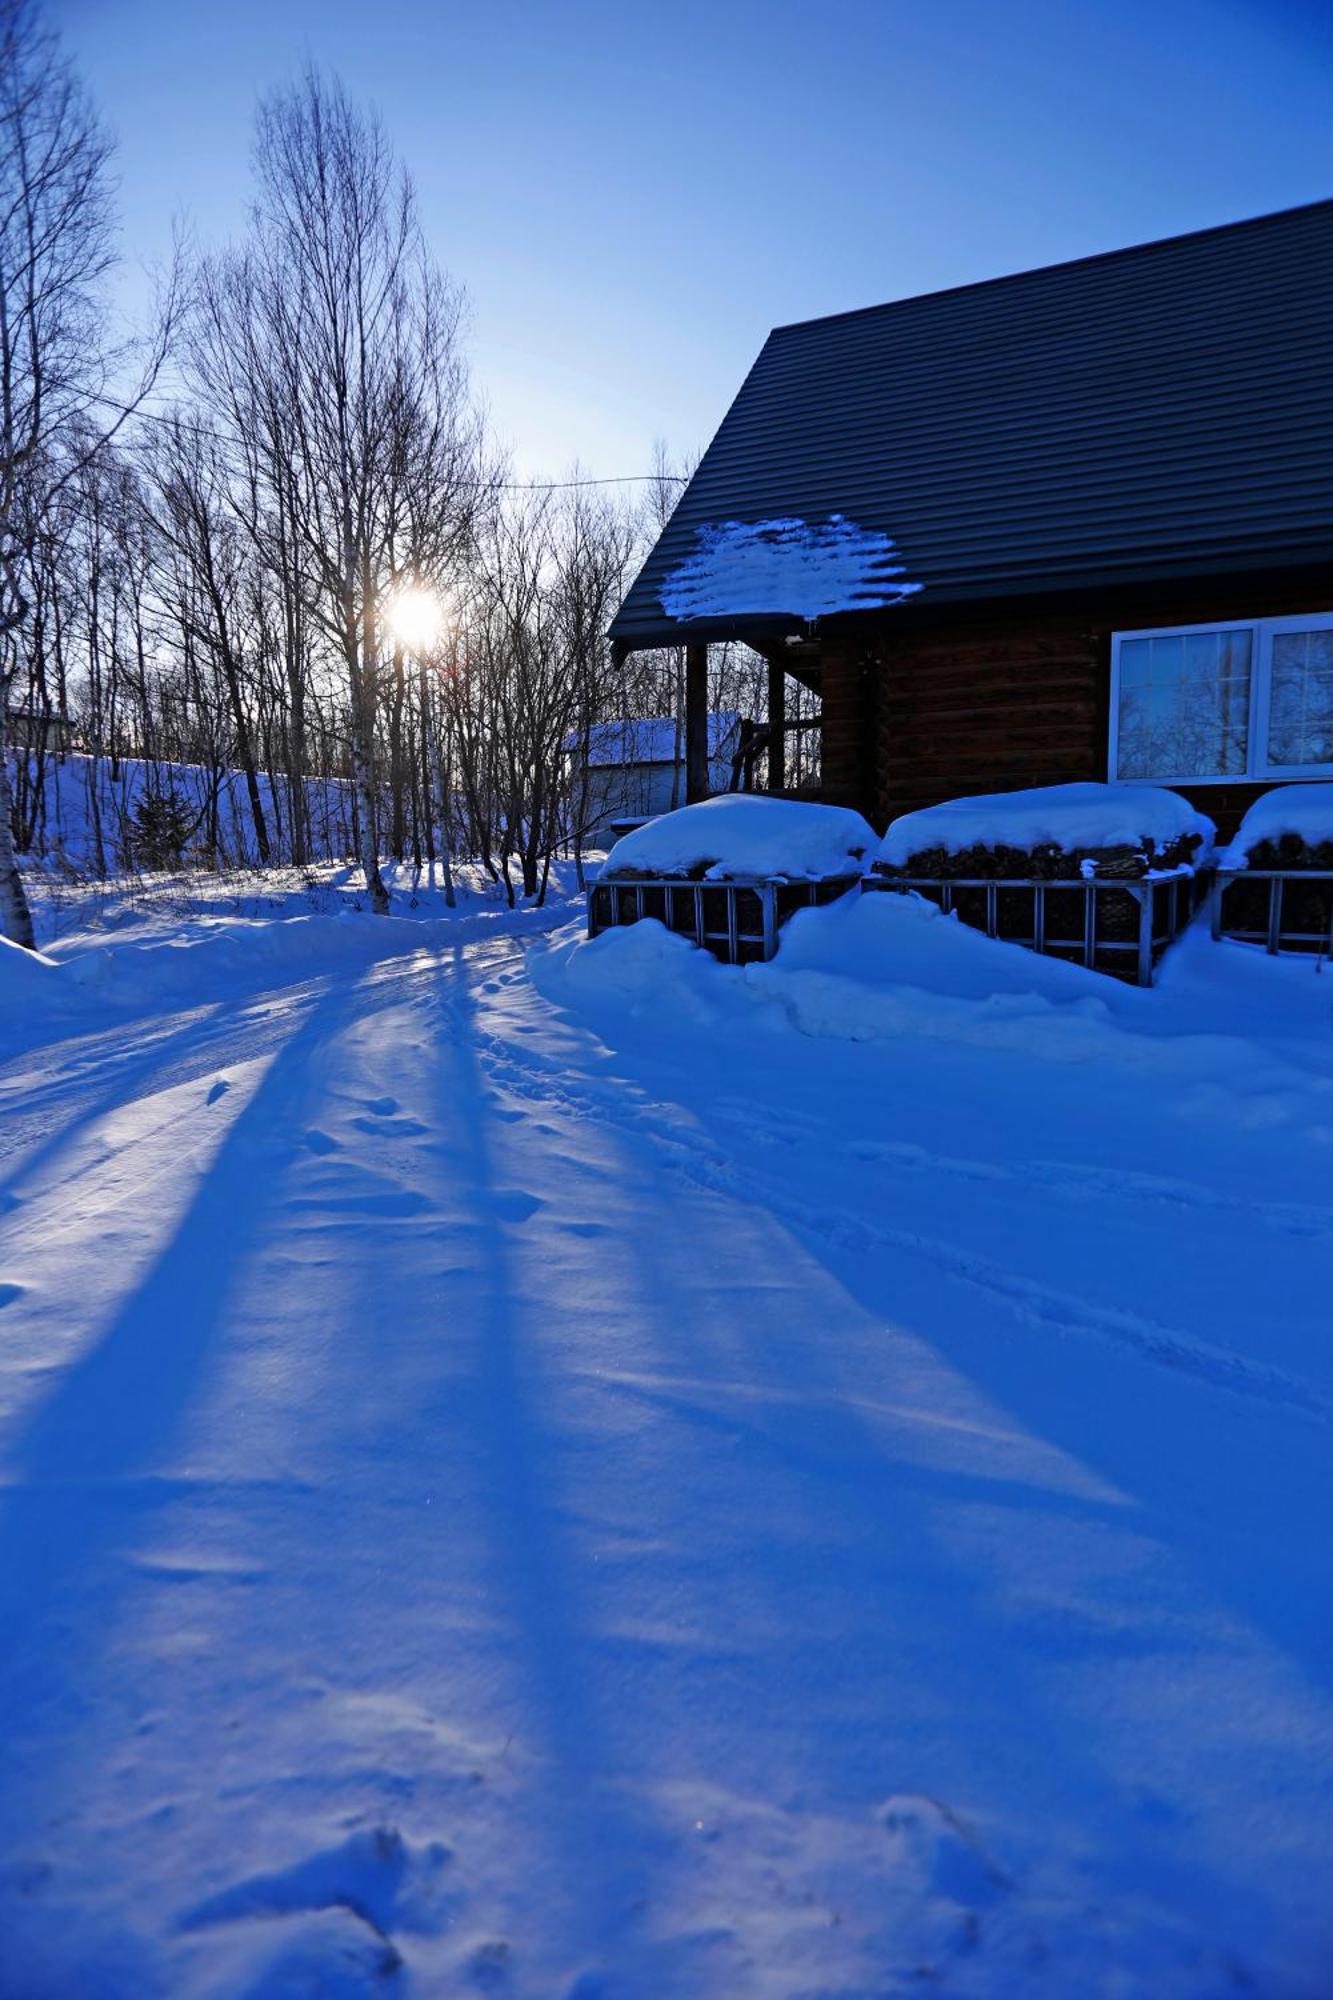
x=758 y=629
x=1139 y=569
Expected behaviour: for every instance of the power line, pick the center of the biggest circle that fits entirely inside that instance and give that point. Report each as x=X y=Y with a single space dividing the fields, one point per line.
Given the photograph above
x=176 y=422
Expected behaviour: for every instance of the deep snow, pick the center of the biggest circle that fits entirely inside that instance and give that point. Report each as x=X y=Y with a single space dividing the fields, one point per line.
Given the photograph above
x=562 y=1469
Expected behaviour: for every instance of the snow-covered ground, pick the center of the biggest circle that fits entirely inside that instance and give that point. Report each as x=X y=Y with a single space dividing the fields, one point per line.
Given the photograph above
x=566 y=1471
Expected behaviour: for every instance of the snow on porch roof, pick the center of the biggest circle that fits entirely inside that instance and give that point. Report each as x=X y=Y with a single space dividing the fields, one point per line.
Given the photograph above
x=649 y=739
x=1160 y=411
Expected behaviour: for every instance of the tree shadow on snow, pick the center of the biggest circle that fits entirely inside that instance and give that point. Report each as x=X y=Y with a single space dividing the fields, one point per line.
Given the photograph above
x=98 y=1454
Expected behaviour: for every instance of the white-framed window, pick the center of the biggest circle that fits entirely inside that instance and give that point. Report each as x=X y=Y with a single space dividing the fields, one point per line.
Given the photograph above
x=1202 y=704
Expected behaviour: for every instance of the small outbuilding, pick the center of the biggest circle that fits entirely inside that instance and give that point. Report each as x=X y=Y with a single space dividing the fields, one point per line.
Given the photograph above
x=634 y=770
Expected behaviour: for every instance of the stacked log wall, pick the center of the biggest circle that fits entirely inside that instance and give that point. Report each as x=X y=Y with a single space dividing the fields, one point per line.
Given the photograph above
x=921 y=708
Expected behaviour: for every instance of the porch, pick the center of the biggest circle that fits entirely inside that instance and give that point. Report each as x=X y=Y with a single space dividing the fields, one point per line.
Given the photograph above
x=762 y=760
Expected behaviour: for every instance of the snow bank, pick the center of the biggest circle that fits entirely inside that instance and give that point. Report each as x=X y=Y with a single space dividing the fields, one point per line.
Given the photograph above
x=1067 y=817
x=1299 y=812
x=805 y=568
x=26 y=980
x=895 y=970
x=882 y=941
x=741 y=834
x=633 y=967
x=864 y=969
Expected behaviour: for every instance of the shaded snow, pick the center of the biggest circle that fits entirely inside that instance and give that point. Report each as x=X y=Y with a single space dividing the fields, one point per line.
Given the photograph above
x=574 y=1470
x=745 y=833
x=24 y=981
x=80 y=792
x=805 y=568
x=1066 y=816
x=1304 y=810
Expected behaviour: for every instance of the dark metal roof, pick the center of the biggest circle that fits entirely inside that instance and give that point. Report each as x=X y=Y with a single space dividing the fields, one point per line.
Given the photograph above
x=1150 y=413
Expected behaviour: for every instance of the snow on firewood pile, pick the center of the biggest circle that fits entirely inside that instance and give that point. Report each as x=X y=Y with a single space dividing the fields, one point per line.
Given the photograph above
x=1290 y=827
x=1051 y=831
x=740 y=835
x=803 y=568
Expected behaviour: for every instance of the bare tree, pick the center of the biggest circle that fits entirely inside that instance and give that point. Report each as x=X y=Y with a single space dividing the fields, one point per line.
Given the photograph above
x=55 y=366
x=331 y=342
x=55 y=241
x=198 y=540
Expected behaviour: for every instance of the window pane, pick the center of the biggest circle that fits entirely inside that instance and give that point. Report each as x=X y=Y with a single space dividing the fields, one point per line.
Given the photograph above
x=1300 y=715
x=1135 y=656
x=1184 y=706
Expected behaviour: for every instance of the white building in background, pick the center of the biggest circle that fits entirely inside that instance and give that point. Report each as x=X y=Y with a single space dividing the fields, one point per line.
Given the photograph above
x=636 y=769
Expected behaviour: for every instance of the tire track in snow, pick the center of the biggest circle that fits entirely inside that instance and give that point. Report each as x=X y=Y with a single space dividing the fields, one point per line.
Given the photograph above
x=707 y=1166
x=1081 y=1181
x=1076 y=1179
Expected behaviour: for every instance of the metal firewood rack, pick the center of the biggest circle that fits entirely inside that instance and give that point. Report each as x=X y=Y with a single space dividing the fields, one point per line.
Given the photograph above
x=1108 y=937
x=737 y=921
x=1276 y=934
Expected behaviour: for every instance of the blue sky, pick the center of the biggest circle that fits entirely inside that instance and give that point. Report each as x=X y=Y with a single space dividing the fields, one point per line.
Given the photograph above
x=632 y=195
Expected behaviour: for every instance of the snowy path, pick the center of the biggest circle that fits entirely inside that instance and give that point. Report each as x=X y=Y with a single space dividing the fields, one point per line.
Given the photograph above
x=489 y=1509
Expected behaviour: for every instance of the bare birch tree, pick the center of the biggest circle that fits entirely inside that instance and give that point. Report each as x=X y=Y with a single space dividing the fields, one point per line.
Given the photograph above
x=333 y=341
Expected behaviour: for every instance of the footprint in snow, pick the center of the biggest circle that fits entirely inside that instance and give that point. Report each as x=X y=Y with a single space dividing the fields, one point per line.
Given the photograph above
x=320 y=1142
x=220 y=1089
x=936 y=1851
x=10 y=1291
x=381 y=1107
x=376 y=1875
x=327 y=1953
x=489 y=1965
x=514 y=1205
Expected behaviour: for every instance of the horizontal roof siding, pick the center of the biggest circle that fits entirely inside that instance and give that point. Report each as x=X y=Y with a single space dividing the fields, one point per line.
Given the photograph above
x=1146 y=410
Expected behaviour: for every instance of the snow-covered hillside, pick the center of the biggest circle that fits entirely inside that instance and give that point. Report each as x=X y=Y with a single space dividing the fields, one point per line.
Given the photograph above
x=564 y=1470
x=77 y=805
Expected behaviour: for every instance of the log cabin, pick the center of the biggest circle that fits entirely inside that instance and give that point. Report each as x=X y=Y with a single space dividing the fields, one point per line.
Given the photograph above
x=1075 y=523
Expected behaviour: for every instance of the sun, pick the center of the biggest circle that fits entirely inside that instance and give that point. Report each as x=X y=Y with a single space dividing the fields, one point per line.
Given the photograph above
x=415 y=617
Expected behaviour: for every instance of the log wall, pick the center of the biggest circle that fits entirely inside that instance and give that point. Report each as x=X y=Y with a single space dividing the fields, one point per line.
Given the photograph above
x=918 y=708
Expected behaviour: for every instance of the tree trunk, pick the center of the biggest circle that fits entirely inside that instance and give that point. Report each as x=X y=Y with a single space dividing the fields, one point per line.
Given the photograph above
x=15 y=915
x=427 y=802
x=360 y=647
x=397 y=831
x=364 y=782
x=245 y=754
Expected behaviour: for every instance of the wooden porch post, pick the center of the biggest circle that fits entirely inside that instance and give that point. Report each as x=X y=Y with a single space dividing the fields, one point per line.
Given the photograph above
x=777 y=727
x=696 y=724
